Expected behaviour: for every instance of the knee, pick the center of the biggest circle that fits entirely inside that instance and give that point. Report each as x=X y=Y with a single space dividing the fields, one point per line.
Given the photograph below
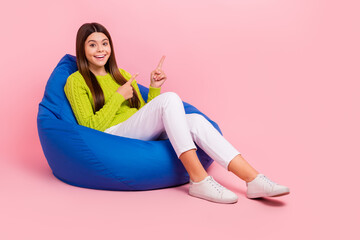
x=171 y=98
x=197 y=122
x=171 y=95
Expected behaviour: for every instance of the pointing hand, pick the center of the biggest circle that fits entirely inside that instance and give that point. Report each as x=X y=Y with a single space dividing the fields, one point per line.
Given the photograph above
x=127 y=90
x=158 y=77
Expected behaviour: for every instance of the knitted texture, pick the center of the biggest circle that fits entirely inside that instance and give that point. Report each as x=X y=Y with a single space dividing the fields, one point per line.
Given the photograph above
x=115 y=110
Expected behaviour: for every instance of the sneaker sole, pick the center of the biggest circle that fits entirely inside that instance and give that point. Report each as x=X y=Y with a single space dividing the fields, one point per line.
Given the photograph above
x=212 y=200
x=281 y=194
x=259 y=195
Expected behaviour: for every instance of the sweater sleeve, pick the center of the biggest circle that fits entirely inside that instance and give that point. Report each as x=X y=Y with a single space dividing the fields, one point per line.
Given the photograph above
x=77 y=92
x=153 y=92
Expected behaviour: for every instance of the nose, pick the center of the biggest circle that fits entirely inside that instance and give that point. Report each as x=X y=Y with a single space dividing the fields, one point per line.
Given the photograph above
x=100 y=48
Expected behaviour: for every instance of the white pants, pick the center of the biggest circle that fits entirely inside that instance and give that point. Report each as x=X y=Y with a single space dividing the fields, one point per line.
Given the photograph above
x=164 y=118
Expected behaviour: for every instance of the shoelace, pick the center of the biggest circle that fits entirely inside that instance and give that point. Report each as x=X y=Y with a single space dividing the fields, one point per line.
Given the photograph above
x=272 y=183
x=217 y=185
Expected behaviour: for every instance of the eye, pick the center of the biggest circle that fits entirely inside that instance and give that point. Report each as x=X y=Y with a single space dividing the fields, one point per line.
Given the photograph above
x=106 y=43
x=91 y=45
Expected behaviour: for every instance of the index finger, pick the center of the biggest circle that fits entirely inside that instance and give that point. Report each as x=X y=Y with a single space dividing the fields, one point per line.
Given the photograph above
x=161 y=62
x=132 y=78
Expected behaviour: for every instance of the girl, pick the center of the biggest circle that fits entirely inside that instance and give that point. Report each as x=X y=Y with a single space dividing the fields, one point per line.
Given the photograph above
x=107 y=98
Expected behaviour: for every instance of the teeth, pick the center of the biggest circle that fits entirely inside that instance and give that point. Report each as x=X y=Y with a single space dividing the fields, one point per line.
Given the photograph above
x=100 y=56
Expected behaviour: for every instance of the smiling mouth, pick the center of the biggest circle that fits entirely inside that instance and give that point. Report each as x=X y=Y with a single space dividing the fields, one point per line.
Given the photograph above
x=100 y=57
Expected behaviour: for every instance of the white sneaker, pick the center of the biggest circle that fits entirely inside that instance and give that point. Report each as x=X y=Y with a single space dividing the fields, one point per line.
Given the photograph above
x=261 y=186
x=211 y=190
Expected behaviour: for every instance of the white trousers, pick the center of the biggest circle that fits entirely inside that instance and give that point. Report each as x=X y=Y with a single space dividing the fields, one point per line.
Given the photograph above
x=164 y=117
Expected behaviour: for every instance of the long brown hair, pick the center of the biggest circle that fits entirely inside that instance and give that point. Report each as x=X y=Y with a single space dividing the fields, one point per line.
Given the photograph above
x=83 y=66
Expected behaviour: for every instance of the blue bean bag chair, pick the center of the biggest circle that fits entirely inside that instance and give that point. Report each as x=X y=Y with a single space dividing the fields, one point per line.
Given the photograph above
x=85 y=157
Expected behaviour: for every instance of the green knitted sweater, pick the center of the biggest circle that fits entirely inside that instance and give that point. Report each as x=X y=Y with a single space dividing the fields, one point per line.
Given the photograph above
x=115 y=110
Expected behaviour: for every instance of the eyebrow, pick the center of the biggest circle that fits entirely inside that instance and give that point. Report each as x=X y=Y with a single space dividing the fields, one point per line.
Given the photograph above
x=95 y=41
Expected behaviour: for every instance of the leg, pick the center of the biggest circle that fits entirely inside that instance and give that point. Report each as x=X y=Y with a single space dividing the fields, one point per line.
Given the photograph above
x=218 y=148
x=193 y=165
x=241 y=168
x=177 y=129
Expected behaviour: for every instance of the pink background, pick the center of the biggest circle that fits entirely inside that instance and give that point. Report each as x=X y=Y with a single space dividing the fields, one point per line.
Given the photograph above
x=281 y=78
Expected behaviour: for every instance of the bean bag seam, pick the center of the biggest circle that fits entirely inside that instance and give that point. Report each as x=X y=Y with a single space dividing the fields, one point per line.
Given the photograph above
x=96 y=157
x=61 y=109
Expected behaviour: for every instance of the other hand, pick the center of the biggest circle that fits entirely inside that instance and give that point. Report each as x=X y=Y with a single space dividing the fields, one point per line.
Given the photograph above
x=127 y=90
x=158 y=77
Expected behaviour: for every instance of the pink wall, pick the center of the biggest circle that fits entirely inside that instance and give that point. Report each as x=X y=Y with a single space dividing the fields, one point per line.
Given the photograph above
x=281 y=78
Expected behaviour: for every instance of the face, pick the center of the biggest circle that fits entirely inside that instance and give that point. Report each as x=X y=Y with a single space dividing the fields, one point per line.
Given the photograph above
x=97 y=50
